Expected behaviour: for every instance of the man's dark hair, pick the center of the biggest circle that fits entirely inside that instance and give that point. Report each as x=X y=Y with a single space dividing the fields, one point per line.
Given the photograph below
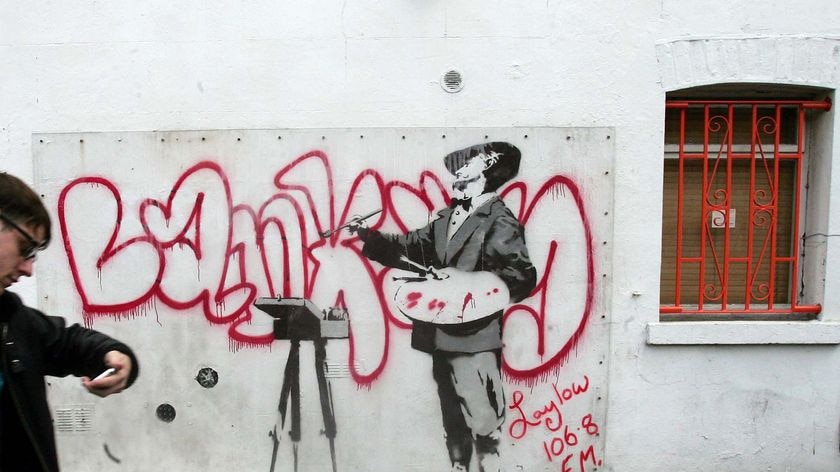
x=21 y=204
x=501 y=172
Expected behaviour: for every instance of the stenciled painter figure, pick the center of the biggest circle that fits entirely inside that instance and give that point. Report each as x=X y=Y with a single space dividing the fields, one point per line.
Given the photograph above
x=33 y=344
x=474 y=263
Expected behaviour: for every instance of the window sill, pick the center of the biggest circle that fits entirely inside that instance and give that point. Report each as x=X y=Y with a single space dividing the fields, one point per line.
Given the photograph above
x=743 y=332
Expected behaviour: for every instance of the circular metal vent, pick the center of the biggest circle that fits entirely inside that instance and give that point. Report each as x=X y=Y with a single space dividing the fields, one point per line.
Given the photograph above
x=452 y=81
x=165 y=412
x=207 y=377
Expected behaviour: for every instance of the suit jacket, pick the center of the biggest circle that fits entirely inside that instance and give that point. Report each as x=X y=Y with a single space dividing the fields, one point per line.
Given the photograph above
x=490 y=239
x=33 y=345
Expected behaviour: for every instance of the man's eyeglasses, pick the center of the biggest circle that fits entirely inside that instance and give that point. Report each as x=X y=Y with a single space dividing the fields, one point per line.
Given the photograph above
x=32 y=247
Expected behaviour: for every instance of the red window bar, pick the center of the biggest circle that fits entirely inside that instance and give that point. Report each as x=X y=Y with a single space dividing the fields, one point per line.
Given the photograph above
x=756 y=270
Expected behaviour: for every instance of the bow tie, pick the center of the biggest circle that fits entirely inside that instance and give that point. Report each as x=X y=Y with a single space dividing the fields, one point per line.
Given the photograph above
x=465 y=203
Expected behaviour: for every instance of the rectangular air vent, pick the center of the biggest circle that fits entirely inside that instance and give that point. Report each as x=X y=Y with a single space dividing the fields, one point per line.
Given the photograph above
x=73 y=419
x=340 y=369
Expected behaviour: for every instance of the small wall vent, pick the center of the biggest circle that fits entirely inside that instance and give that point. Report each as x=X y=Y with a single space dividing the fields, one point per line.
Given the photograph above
x=452 y=81
x=74 y=419
x=340 y=369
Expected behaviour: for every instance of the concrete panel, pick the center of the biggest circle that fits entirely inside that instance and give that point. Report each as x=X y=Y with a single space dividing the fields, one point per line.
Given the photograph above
x=166 y=239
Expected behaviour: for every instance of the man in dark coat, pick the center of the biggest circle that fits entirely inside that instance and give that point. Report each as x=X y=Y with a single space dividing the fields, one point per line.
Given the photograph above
x=33 y=345
x=477 y=233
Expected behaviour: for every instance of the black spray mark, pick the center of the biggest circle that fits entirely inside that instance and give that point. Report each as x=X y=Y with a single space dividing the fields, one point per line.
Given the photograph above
x=108 y=453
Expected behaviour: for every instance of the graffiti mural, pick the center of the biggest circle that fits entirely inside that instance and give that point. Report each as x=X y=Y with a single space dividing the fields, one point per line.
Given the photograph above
x=458 y=274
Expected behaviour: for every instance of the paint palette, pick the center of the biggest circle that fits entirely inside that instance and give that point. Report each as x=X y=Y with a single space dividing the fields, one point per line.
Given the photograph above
x=458 y=297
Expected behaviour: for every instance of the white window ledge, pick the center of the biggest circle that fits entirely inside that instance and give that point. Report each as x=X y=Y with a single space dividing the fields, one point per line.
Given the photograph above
x=743 y=332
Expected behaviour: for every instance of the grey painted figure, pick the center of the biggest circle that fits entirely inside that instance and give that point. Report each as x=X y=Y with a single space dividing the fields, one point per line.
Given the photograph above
x=476 y=234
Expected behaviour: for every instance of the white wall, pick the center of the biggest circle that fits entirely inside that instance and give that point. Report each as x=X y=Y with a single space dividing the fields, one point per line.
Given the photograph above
x=94 y=66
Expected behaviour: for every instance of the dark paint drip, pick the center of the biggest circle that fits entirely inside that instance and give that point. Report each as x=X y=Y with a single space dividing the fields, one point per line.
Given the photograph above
x=108 y=453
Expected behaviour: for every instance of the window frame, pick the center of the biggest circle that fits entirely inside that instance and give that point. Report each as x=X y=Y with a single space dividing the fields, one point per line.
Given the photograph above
x=677 y=311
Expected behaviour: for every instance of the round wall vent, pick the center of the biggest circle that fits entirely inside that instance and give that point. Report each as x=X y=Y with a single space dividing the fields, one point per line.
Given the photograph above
x=452 y=81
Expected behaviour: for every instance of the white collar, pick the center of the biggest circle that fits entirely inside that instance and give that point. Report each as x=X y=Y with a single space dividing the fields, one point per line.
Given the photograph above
x=480 y=200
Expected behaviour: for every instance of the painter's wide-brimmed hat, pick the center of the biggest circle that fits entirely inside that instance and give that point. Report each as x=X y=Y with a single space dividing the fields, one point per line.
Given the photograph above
x=502 y=171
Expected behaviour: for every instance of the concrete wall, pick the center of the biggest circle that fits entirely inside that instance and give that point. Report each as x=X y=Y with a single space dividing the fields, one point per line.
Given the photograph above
x=746 y=396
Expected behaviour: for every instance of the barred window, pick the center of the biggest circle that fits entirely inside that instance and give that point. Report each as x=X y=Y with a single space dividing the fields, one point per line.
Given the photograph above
x=733 y=194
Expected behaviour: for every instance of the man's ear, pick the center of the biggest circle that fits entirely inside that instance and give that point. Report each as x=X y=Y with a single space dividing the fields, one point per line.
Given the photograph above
x=490 y=160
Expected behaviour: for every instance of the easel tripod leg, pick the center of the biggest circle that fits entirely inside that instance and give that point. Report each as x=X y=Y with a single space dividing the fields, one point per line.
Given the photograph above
x=290 y=388
x=325 y=393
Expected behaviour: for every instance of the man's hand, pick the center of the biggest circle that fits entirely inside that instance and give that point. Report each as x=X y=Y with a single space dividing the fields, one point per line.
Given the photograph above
x=437 y=274
x=358 y=226
x=115 y=382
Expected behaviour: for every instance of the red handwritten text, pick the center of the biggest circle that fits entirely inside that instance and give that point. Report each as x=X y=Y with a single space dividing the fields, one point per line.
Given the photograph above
x=567 y=436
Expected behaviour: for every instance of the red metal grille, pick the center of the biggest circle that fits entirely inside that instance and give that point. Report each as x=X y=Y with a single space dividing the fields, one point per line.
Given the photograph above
x=733 y=158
